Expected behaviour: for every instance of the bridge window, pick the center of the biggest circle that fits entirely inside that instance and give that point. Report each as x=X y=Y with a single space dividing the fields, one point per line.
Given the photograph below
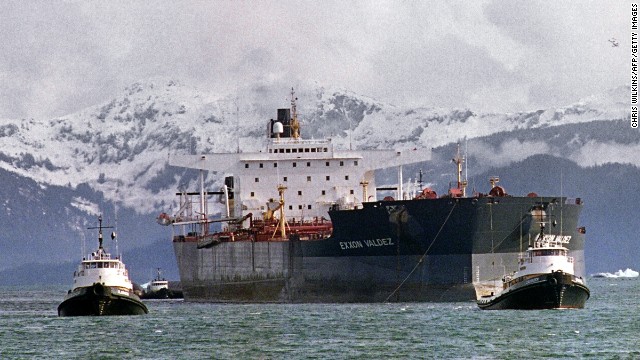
x=246 y=166
x=261 y=166
x=308 y=178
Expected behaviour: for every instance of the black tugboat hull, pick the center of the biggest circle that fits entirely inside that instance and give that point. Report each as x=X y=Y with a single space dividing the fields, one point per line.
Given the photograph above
x=99 y=300
x=545 y=291
x=162 y=294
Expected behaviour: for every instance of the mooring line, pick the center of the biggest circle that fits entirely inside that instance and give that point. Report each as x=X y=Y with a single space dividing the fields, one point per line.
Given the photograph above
x=423 y=255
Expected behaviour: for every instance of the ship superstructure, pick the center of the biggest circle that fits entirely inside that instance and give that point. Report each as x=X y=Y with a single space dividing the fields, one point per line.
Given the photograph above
x=314 y=174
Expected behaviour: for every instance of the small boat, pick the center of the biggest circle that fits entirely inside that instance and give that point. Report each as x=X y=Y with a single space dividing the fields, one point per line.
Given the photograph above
x=545 y=279
x=101 y=286
x=158 y=288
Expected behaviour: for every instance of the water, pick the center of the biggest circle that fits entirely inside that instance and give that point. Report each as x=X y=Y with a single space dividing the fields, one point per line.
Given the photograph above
x=608 y=328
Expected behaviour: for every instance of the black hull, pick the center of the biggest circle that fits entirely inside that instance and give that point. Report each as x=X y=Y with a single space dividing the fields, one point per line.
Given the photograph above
x=413 y=250
x=162 y=294
x=546 y=291
x=99 y=300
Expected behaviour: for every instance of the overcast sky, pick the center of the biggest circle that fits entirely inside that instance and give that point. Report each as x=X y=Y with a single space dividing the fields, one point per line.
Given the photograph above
x=58 y=57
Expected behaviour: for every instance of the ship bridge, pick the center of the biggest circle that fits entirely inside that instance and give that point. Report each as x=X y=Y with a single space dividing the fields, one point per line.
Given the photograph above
x=315 y=174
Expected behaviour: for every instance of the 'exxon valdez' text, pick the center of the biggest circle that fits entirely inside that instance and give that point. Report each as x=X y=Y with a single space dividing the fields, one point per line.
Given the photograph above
x=358 y=244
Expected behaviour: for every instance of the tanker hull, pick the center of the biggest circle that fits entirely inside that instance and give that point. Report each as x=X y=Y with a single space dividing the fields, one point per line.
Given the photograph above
x=448 y=249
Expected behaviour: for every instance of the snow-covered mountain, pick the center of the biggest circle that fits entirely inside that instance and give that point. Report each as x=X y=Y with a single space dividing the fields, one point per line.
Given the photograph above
x=116 y=153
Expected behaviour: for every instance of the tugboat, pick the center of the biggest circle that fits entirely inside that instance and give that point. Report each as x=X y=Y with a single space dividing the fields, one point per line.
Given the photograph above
x=158 y=288
x=545 y=279
x=101 y=286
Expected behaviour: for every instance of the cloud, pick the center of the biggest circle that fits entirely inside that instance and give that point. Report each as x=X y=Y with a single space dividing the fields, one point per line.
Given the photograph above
x=596 y=153
x=491 y=55
x=507 y=152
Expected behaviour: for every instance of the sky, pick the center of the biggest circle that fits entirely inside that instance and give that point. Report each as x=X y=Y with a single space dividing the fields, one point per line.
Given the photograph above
x=59 y=57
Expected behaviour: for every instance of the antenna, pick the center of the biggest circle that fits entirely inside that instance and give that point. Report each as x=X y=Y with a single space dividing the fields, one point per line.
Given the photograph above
x=100 y=227
x=237 y=125
x=113 y=234
x=561 y=199
x=466 y=159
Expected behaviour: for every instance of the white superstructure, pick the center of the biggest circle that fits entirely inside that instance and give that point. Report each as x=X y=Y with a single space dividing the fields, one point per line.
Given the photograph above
x=548 y=254
x=315 y=174
x=100 y=268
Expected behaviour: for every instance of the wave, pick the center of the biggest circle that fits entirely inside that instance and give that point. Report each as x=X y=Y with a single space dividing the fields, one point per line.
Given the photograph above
x=628 y=273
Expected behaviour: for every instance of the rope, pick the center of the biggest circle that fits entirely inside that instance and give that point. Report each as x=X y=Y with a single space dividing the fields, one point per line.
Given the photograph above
x=511 y=232
x=423 y=255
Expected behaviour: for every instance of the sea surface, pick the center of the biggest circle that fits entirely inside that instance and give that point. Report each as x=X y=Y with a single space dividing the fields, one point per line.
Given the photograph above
x=608 y=328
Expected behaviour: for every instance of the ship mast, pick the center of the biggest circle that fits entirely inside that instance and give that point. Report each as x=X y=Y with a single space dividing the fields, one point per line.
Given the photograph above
x=459 y=160
x=295 y=124
x=281 y=223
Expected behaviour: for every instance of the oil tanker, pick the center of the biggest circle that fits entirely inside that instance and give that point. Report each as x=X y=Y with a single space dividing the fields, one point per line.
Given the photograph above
x=302 y=222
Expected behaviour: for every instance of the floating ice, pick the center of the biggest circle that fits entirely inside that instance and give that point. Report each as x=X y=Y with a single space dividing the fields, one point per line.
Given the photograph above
x=628 y=273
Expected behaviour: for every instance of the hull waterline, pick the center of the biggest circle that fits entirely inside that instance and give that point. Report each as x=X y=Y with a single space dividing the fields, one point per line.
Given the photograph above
x=98 y=300
x=547 y=291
